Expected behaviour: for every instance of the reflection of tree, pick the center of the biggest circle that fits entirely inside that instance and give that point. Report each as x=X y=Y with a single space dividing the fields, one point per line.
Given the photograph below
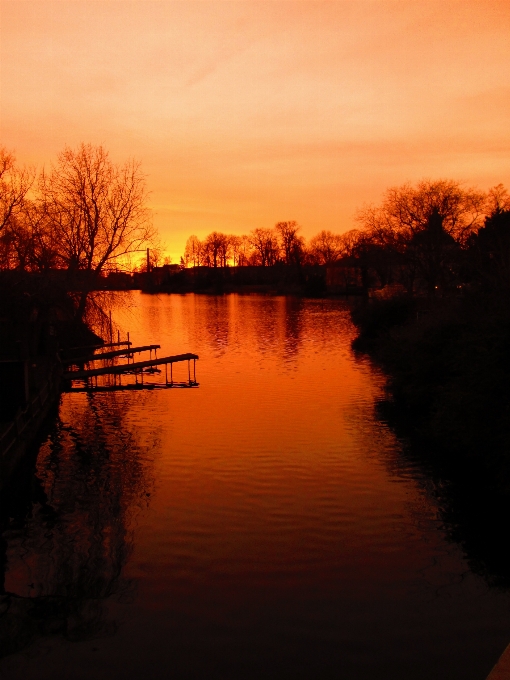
x=477 y=518
x=216 y=319
x=66 y=542
x=264 y=322
x=293 y=324
x=472 y=508
x=275 y=324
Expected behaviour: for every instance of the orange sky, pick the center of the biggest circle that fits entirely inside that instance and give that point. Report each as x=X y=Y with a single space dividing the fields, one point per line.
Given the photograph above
x=246 y=113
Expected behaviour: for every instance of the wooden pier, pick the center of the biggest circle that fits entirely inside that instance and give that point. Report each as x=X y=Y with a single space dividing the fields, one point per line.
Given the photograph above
x=89 y=376
x=128 y=352
x=94 y=347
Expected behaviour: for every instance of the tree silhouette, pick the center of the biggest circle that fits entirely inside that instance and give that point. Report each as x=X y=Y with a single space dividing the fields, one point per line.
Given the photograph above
x=97 y=209
x=265 y=245
x=15 y=183
x=490 y=251
x=425 y=227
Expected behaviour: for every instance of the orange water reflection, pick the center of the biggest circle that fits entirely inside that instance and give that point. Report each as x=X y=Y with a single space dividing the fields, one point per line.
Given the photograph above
x=263 y=524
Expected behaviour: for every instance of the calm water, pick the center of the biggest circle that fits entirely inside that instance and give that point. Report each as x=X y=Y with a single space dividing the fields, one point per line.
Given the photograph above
x=263 y=525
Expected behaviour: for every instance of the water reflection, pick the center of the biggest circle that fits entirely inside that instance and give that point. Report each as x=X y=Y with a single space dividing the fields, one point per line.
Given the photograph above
x=472 y=509
x=217 y=324
x=67 y=530
x=286 y=534
x=293 y=326
x=273 y=324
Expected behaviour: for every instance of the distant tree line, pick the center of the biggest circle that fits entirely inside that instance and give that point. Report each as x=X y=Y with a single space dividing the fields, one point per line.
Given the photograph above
x=433 y=236
x=266 y=247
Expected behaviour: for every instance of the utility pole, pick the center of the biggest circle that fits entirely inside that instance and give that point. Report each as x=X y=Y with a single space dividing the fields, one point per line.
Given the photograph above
x=148 y=261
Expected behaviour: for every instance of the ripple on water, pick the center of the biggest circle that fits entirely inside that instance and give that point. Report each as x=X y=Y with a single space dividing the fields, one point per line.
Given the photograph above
x=264 y=525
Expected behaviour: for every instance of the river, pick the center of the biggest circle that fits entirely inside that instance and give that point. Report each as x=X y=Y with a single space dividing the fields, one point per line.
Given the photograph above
x=266 y=524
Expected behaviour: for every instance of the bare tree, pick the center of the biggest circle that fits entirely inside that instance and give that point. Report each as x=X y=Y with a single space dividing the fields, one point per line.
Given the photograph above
x=15 y=183
x=425 y=225
x=265 y=245
x=290 y=242
x=242 y=250
x=349 y=242
x=31 y=240
x=155 y=260
x=97 y=209
x=193 y=252
x=235 y=248
x=216 y=250
x=406 y=210
x=225 y=250
x=326 y=247
x=498 y=200
x=44 y=254
x=21 y=242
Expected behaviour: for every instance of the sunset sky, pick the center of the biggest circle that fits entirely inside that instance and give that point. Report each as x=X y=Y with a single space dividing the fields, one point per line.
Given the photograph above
x=246 y=113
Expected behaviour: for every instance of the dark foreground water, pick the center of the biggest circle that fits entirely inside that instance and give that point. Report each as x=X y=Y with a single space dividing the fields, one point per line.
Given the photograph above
x=263 y=525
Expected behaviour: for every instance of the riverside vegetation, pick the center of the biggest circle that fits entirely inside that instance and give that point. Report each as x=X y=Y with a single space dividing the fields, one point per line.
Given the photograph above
x=447 y=353
x=447 y=358
x=449 y=370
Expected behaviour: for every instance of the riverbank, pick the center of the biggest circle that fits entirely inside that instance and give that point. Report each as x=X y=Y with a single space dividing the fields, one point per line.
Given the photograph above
x=449 y=370
x=37 y=325
x=447 y=399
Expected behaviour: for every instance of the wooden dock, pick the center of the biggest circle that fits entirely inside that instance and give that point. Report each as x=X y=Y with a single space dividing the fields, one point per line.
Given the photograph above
x=137 y=369
x=128 y=352
x=94 y=347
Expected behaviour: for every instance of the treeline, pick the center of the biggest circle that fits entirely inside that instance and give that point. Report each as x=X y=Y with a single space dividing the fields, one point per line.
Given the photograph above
x=446 y=354
x=85 y=214
x=267 y=247
x=435 y=236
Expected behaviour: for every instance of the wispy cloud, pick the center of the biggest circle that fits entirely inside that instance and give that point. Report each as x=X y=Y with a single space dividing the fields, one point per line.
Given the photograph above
x=241 y=110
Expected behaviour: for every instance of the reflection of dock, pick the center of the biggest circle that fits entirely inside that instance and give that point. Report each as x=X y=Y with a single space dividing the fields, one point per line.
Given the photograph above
x=88 y=377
